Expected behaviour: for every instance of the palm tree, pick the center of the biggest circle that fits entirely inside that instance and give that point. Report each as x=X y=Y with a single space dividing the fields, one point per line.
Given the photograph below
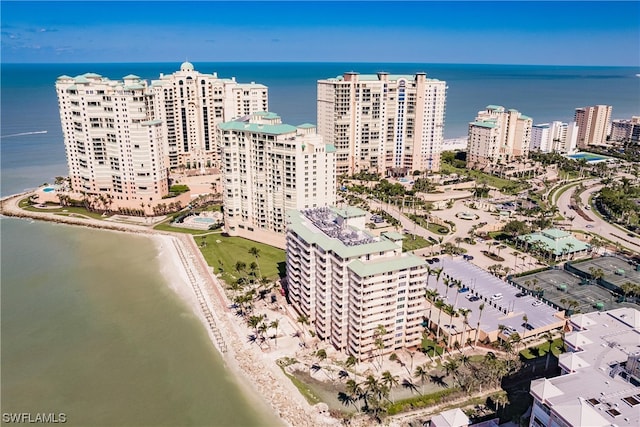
x=274 y=324
x=431 y=295
x=465 y=313
x=439 y=304
x=525 y=319
x=549 y=337
x=351 y=362
x=390 y=381
x=255 y=252
x=422 y=373
x=355 y=391
x=240 y=266
x=501 y=399
x=303 y=320
x=481 y=307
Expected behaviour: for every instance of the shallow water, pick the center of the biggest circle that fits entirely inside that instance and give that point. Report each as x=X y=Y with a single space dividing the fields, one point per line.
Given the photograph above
x=90 y=329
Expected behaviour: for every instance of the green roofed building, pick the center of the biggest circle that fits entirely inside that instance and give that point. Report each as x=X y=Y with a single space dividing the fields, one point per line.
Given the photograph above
x=557 y=244
x=269 y=168
x=498 y=136
x=349 y=283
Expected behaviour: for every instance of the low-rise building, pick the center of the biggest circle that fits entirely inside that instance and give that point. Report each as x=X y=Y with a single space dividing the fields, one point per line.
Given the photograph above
x=555 y=243
x=599 y=385
x=359 y=292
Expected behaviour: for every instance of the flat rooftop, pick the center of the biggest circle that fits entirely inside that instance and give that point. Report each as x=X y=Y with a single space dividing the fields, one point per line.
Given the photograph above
x=507 y=311
x=595 y=393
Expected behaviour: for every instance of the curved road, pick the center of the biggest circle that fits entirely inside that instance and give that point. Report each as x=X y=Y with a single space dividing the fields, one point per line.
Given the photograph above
x=596 y=225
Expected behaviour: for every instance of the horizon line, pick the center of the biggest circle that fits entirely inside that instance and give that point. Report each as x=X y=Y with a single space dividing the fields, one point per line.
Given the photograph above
x=318 y=62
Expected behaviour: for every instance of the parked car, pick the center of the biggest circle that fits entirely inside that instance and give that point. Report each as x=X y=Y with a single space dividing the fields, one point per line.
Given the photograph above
x=496 y=297
x=520 y=294
x=537 y=303
x=463 y=290
x=509 y=330
x=474 y=298
x=527 y=326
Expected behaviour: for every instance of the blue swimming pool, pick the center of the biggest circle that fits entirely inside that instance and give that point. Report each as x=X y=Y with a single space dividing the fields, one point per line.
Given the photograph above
x=204 y=220
x=48 y=189
x=589 y=157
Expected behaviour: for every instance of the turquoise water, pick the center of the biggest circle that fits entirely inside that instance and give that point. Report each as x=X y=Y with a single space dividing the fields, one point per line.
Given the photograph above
x=48 y=189
x=587 y=156
x=205 y=220
x=91 y=329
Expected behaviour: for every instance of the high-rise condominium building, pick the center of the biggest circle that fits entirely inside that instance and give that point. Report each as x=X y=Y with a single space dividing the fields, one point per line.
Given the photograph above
x=191 y=104
x=593 y=125
x=625 y=130
x=122 y=137
x=383 y=123
x=498 y=135
x=357 y=291
x=269 y=168
x=554 y=137
x=115 y=147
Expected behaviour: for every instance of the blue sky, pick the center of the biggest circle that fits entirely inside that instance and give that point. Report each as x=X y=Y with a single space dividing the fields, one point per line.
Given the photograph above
x=499 y=32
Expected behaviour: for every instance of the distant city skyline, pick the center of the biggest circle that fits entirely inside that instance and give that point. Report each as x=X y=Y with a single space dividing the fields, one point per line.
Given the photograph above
x=480 y=32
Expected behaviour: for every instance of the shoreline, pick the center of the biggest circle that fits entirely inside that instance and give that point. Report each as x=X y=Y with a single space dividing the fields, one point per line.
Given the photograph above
x=262 y=382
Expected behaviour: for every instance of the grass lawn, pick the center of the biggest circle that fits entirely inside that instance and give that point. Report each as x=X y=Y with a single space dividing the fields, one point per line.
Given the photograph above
x=490 y=180
x=66 y=210
x=164 y=226
x=431 y=348
x=557 y=348
x=233 y=249
x=412 y=242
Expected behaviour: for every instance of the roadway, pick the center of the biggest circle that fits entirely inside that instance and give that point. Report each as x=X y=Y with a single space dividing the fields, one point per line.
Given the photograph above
x=597 y=225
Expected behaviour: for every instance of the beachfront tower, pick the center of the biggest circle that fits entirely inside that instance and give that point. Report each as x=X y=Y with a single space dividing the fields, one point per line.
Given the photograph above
x=353 y=287
x=498 y=136
x=115 y=148
x=191 y=104
x=593 y=125
x=269 y=168
x=554 y=137
x=383 y=123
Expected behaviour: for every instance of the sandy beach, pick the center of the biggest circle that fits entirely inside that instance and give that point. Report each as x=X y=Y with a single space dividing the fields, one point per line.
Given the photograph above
x=189 y=276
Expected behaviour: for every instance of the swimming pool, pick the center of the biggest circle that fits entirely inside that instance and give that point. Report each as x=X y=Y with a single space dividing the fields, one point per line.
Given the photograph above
x=589 y=157
x=48 y=189
x=204 y=220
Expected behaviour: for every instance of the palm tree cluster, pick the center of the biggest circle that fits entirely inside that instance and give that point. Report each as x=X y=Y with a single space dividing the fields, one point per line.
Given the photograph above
x=261 y=326
x=372 y=395
x=249 y=286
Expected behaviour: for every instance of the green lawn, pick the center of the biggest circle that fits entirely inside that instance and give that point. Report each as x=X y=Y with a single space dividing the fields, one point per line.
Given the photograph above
x=490 y=180
x=557 y=347
x=67 y=210
x=412 y=242
x=233 y=249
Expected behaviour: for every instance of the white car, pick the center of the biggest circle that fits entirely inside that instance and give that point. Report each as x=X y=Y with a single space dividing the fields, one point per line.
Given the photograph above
x=496 y=297
x=537 y=303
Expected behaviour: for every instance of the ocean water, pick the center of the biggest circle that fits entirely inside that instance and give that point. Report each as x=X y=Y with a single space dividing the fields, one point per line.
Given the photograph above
x=545 y=93
x=89 y=327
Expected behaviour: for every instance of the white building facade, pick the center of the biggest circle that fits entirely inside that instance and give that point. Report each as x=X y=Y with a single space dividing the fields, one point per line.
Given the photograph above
x=270 y=168
x=115 y=148
x=498 y=136
x=191 y=104
x=359 y=292
x=554 y=137
x=383 y=123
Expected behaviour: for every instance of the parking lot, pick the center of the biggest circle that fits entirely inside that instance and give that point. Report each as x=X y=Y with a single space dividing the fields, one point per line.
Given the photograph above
x=559 y=284
x=502 y=305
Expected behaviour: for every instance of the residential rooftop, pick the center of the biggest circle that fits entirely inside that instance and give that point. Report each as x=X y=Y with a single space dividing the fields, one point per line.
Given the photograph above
x=597 y=390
